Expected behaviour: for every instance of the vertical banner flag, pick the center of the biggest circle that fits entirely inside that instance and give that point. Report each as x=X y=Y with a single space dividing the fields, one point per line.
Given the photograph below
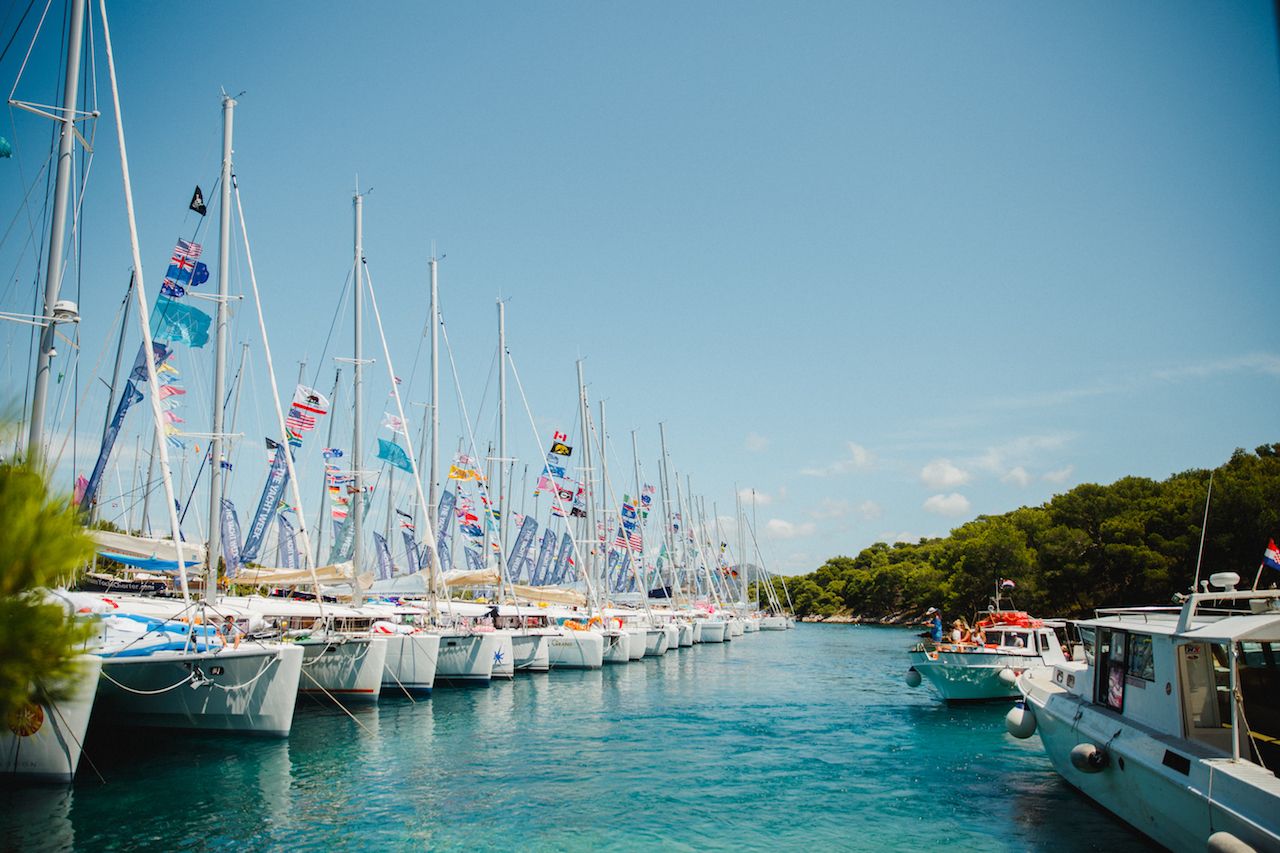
x=411 y=553
x=524 y=538
x=231 y=553
x=386 y=569
x=277 y=479
x=475 y=560
x=287 y=547
x=563 y=559
x=546 y=552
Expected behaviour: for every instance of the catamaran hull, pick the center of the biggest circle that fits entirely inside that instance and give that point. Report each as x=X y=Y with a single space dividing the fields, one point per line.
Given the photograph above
x=466 y=659
x=697 y=633
x=1142 y=783
x=751 y=626
x=773 y=623
x=673 y=636
x=973 y=677
x=617 y=647
x=714 y=632
x=350 y=668
x=531 y=652
x=504 y=657
x=43 y=742
x=686 y=635
x=637 y=640
x=576 y=650
x=736 y=629
x=655 y=642
x=411 y=663
x=250 y=690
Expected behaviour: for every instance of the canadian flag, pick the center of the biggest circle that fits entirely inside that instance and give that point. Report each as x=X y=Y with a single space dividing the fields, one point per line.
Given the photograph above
x=559 y=436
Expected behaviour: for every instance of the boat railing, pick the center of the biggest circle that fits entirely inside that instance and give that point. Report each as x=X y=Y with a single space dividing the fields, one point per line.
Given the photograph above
x=1144 y=613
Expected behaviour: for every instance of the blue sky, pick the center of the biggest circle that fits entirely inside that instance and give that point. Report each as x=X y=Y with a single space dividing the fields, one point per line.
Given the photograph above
x=889 y=265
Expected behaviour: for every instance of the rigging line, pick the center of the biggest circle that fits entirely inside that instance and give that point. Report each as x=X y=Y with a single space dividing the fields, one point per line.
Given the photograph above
x=339 y=314
x=16 y=30
x=34 y=38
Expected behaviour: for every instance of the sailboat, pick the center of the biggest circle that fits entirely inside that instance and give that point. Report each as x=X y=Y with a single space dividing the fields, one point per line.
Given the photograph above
x=176 y=668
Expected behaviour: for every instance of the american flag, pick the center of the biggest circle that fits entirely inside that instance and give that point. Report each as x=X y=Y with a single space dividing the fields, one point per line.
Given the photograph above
x=299 y=420
x=621 y=541
x=185 y=249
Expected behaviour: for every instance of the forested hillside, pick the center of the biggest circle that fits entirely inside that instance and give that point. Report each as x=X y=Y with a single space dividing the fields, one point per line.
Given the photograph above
x=1134 y=541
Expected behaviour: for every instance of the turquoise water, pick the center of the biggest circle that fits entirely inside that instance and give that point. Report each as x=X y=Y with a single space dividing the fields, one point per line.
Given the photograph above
x=775 y=741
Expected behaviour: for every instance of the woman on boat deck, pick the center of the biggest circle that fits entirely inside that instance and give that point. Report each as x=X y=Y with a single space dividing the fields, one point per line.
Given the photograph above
x=933 y=619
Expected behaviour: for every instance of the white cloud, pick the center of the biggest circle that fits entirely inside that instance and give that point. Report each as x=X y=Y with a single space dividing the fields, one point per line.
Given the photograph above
x=1018 y=476
x=755 y=496
x=1022 y=450
x=1259 y=362
x=942 y=474
x=870 y=510
x=832 y=508
x=777 y=528
x=1059 y=476
x=859 y=457
x=904 y=536
x=755 y=442
x=951 y=505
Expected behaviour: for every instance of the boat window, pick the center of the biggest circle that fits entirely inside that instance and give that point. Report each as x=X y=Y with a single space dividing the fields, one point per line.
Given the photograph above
x=1141 y=663
x=995 y=638
x=1109 y=688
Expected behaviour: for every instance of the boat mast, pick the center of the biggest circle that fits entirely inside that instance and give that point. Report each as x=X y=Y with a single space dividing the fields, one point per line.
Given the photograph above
x=667 y=536
x=639 y=505
x=357 y=448
x=220 y=357
x=504 y=511
x=433 y=467
x=57 y=232
x=324 y=485
x=588 y=521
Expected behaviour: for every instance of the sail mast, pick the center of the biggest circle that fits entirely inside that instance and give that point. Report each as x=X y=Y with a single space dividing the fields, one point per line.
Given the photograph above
x=504 y=511
x=220 y=356
x=431 y=509
x=357 y=448
x=57 y=232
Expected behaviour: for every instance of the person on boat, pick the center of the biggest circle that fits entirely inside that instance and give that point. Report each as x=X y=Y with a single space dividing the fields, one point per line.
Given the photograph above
x=231 y=631
x=957 y=631
x=933 y=619
x=979 y=635
x=966 y=633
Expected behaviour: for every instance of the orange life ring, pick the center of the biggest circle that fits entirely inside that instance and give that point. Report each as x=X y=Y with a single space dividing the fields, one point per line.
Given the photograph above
x=594 y=621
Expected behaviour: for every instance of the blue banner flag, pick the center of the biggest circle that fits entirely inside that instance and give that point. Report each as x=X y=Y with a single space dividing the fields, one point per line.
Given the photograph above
x=231 y=553
x=546 y=553
x=286 y=545
x=411 y=553
x=128 y=397
x=394 y=455
x=524 y=539
x=386 y=568
x=562 y=559
x=277 y=479
x=475 y=560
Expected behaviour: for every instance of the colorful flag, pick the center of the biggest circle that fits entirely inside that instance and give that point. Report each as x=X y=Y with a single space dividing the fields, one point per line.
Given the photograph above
x=561 y=449
x=394 y=423
x=310 y=400
x=1271 y=556
x=331 y=453
x=299 y=420
x=394 y=455
x=559 y=436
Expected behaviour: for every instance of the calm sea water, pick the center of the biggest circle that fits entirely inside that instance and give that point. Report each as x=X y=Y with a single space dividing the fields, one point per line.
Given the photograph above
x=775 y=741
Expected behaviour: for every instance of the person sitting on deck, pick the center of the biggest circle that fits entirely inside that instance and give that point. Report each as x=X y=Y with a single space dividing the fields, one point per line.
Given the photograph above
x=966 y=633
x=980 y=635
x=231 y=632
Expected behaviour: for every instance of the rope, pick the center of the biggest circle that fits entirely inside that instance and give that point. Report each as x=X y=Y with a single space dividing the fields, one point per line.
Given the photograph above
x=336 y=702
x=147 y=692
x=58 y=711
x=261 y=672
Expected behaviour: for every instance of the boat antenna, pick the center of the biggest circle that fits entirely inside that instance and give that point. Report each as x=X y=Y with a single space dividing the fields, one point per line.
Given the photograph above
x=1203 y=527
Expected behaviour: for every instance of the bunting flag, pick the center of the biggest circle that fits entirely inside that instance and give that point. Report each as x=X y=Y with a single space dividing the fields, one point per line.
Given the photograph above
x=184 y=269
x=286 y=545
x=394 y=455
x=475 y=560
x=561 y=449
x=386 y=568
x=232 y=555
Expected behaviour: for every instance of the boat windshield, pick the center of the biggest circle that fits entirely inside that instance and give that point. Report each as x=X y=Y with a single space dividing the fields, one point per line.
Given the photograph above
x=1009 y=639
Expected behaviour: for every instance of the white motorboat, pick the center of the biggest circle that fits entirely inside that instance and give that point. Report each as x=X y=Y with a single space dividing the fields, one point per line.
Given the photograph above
x=1171 y=722
x=977 y=672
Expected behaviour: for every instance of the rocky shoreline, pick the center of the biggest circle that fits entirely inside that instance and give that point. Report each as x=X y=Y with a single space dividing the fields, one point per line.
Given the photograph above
x=902 y=618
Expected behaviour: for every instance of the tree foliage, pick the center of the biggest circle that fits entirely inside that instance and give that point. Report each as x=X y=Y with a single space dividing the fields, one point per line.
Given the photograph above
x=1135 y=541
x=41 y=545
